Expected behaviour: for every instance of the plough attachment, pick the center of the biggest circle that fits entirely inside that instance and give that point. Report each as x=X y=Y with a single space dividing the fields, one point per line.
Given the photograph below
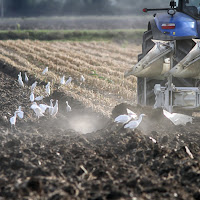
x=179 y=97
x=158 y=64
x=189 y=67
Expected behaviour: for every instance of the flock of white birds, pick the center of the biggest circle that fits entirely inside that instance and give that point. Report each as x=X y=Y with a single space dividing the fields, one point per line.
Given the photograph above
x=131 y=120
x=40 y=109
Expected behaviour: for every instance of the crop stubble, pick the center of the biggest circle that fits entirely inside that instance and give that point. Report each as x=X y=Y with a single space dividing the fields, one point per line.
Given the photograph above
x=102 y=64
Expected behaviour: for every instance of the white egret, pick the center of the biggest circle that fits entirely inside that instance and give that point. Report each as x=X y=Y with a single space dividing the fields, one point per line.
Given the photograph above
x=43 y=107
x=38 y=111
x=62 y=80
x=51 y=107
x=82 y=79
x=153 y=140
x=55 y=109
x=133 y=124
x=45 y=71
x=68 y=108
x=20 y=80
x=33 y=86
x=39 y=98
x=20 y=113
x=123 y=119
x=26 y=77
x=13 y=119
x=47 y=89
x=69 y=80
x=177 y=118
x=32 y=97
x=126 y=118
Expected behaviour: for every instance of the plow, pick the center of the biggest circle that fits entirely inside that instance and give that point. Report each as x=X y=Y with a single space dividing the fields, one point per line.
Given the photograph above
x=168 y=70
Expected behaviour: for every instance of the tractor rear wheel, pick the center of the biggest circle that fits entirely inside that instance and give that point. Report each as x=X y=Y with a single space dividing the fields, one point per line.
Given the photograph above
x=146 y=47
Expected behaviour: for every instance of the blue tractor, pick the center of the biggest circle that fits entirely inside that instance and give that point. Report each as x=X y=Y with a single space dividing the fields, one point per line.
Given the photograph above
x=168 y=70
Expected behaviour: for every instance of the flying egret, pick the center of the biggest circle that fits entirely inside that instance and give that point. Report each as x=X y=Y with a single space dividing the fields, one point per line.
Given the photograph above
x=26 y=77
x=33 y=86
x=62 y=80
x=69 y=80
x=51 y=107
x=68 y=108
x=133 y=124
x=82 y=79
x=32 y=97
x=20 y=113
x=132 y=114
x=45 y=71
x=13 y=119
x=20 y=80
x=47 y=89
x=177 y=118
x=55 y=109
x=38 y=111
x=43 y=107
x=39 y=98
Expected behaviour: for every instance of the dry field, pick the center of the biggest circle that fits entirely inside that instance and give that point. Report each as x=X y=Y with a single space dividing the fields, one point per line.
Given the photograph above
x=52 y=159
x=102 y=64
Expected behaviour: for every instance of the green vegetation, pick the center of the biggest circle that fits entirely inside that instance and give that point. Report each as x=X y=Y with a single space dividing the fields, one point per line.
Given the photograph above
x=122 y=36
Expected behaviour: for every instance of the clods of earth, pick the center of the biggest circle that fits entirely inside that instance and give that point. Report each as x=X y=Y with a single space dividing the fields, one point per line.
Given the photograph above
x=52 y=158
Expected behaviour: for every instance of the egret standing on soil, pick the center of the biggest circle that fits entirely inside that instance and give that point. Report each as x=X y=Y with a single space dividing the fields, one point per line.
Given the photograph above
x=123 y=119
x=69 y=80
x=26 y=77
x=134 y=123
x=20 y=80
x=20 y=113
x=13 y=119
x=33 y=86
x=32 y=97
x=82 y=79
x=39 y=98
x=51 y=107
x=47 y=89
x=38 y=111
x=45 y=71
x=62 y=80
x=55 y=109
x=68 y=108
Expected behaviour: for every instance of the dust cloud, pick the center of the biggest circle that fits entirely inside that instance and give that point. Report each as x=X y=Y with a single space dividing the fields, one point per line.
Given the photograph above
x=86 y=123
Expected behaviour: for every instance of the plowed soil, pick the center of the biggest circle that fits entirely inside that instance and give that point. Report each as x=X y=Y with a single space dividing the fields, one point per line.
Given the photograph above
x=53 y=159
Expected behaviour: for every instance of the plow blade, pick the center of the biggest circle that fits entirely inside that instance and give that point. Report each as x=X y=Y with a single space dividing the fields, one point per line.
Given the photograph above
x=189 y=66
x=155 y=63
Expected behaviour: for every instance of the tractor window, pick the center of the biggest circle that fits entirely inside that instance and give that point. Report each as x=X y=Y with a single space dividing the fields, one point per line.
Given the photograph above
x=191 y=7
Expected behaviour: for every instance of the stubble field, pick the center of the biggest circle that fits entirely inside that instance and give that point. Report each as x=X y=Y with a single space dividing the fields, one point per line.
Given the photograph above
x=54 y=158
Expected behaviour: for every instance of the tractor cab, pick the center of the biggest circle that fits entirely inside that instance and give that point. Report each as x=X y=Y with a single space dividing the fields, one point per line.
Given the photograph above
x=189 y=7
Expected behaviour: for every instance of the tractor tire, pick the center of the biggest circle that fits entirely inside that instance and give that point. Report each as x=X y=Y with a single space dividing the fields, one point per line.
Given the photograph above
x=146 y=47
x=183 y=47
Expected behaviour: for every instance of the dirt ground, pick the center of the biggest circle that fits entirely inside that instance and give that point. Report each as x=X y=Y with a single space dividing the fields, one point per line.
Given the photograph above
x=52 y=158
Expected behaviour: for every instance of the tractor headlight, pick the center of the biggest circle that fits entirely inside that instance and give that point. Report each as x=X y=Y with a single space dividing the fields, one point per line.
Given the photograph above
x=171 y=12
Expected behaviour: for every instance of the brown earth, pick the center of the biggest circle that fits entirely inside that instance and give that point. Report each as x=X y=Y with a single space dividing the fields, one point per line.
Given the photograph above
x=52 y=159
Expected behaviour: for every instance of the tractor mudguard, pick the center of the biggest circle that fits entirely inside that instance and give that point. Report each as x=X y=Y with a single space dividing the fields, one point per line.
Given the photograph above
x=186 y=27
